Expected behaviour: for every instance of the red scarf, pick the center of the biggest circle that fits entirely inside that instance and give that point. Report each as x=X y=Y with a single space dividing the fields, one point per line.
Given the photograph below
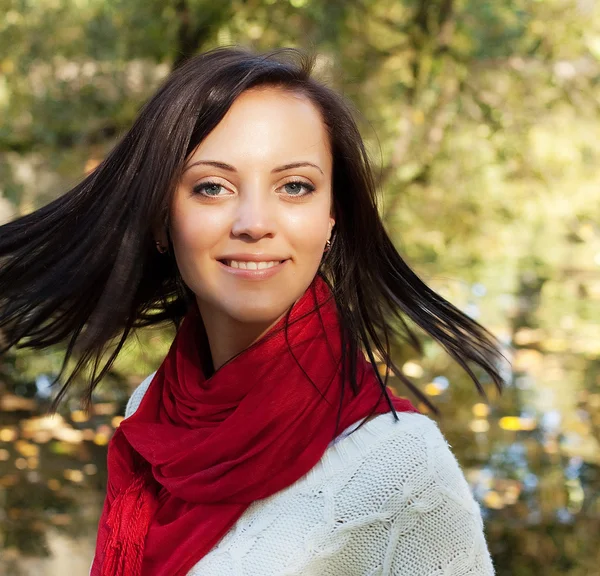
x=198 y=451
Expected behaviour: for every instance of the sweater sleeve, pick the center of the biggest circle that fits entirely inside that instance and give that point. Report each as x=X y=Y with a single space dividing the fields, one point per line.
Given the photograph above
x=434 y=525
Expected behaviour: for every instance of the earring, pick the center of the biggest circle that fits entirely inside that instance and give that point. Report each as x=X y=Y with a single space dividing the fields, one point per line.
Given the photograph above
x=160 y=248
x=327 y=245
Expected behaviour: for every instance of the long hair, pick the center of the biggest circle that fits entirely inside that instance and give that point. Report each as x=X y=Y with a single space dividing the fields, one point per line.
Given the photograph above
x=84 y=272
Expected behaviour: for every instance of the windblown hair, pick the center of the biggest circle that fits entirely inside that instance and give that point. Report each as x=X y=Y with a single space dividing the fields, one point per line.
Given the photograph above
x=84 y=272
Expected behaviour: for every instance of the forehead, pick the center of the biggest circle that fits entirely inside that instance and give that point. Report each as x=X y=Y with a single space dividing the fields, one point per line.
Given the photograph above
x=267 y=126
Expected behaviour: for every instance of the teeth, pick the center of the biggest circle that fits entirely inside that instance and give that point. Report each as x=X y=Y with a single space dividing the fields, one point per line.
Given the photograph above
x=251 y=265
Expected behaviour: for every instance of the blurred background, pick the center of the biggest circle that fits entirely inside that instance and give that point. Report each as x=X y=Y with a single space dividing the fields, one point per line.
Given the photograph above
x=483 y=120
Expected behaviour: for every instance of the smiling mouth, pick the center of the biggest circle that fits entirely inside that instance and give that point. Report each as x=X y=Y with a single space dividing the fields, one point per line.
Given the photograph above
x=247 y=265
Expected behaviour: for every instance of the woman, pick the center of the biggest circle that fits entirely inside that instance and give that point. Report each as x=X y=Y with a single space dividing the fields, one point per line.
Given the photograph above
x=241 y=206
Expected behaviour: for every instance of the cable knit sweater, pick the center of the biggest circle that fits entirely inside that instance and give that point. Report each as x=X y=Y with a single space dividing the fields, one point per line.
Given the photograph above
x=389 y=499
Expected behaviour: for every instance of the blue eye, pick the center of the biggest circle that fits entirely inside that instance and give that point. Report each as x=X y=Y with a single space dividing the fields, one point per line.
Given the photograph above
x=208 y=189
x=295 y=188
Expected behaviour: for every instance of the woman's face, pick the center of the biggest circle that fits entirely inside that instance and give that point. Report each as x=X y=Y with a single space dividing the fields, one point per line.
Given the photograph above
x=252 y=212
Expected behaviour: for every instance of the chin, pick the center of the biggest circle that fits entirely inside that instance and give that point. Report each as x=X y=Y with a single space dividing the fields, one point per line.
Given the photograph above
x=265 y=312
x=254 y=303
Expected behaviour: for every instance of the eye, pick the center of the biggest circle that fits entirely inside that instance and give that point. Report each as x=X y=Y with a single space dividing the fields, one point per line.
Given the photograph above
x=298 y=188
x=210 y=189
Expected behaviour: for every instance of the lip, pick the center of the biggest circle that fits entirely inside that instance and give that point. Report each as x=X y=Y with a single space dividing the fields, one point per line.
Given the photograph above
x=258 y=257
x=253 y=274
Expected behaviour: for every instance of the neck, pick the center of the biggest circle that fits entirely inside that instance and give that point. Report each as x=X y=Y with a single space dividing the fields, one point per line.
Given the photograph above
x=228 y=337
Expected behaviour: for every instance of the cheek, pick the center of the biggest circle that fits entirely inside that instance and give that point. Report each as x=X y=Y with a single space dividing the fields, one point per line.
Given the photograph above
x=188 y=233
x=194 y=230
x=307 y=231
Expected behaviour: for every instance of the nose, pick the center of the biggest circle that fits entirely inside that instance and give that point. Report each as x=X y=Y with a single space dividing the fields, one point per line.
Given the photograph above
x=254 y=217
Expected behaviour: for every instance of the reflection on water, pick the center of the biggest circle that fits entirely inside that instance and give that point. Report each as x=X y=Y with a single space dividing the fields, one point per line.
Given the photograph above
x=532 y=458
x=52 y=474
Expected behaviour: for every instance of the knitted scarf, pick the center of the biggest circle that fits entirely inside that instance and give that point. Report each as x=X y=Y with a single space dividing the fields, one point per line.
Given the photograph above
x=198 y=451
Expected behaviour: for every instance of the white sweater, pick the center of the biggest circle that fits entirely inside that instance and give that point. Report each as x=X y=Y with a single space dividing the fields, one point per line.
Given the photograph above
x=388 y=500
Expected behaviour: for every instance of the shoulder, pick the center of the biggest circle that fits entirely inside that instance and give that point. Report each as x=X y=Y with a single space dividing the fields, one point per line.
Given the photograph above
x=412 y=449
x=408 y=482
x=407 y=457
x=412 y=453
x=137 y=395
x=413 y=438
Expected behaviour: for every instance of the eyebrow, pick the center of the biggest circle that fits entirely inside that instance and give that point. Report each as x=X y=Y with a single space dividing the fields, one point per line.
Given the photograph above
x=229 y=168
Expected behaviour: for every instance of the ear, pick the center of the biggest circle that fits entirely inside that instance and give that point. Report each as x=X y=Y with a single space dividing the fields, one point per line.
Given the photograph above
x=159 y=233
x=331 y=225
